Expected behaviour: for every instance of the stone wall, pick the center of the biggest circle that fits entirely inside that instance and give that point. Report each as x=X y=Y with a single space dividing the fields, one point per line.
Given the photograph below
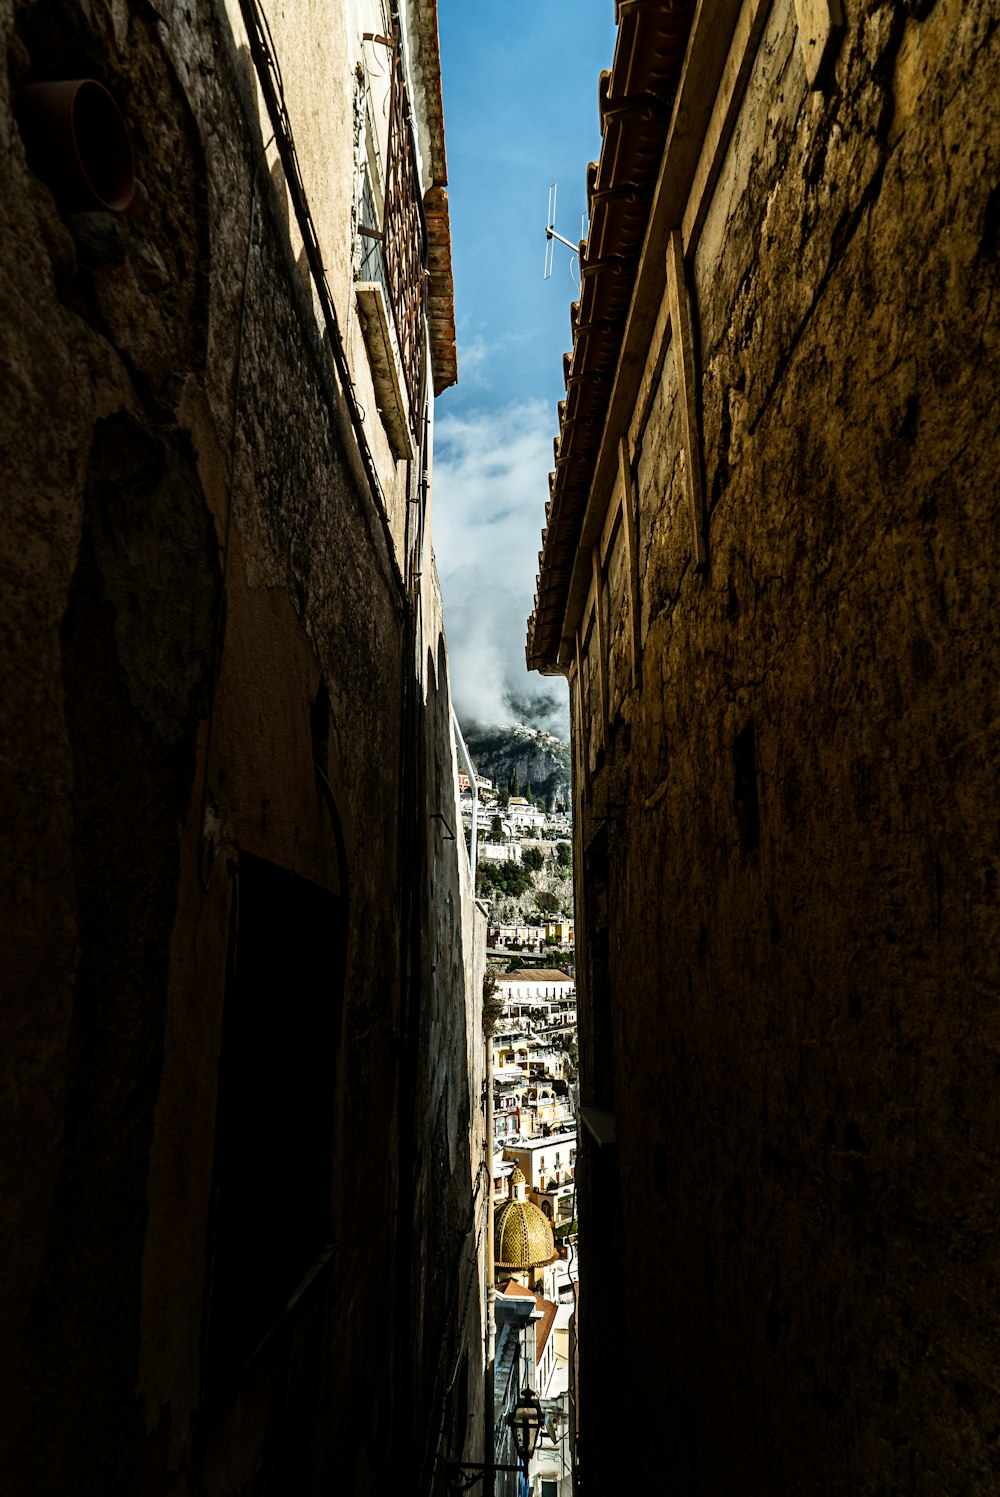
x=793 y=816
x=215 y=701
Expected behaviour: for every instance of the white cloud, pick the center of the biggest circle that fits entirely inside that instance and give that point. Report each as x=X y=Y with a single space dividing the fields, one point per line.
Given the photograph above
x=490 y=486
x=473 y=363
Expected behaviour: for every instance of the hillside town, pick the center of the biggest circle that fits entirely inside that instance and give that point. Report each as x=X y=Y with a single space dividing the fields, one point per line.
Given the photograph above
x=523 y=864
x=530 y=1017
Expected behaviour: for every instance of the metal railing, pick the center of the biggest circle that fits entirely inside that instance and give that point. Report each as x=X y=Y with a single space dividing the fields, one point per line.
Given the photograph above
x=471 y=772
x=394 y=253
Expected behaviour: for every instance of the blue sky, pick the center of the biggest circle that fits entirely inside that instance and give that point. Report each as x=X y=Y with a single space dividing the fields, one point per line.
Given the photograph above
x=520 y=100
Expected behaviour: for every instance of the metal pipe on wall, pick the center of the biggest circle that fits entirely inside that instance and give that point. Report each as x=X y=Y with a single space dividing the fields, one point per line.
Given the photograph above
x=489 y=1453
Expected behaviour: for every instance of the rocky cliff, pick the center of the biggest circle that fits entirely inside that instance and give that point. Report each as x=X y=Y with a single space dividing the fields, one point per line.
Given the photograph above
x=540 y=759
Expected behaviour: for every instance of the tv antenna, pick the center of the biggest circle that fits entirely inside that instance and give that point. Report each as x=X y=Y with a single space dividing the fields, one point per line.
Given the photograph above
x=551 y=237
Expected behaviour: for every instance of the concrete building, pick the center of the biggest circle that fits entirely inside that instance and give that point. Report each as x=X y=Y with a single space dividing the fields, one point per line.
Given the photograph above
x=520 y=936
x=550 y=1472
x=513 y=1369
x=518 y=988
x=557 y=931
x=543 y=1160
x=522 y=813
x=242 y=1142
x=510 y=1083
x=767 y=572
x=560 y=931
x=500 y=852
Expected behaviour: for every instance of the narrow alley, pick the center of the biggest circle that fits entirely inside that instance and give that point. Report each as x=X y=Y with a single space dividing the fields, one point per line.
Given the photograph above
x=395 y=1101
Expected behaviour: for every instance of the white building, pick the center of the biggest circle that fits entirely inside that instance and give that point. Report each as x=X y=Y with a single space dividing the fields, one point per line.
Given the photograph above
x=523 y=813
x=543 y=1160
x=499 y=852
x=548 y=1166
x=537 y=982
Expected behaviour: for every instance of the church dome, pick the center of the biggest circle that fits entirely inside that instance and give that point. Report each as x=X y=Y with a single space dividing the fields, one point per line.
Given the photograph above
x=522 y=1235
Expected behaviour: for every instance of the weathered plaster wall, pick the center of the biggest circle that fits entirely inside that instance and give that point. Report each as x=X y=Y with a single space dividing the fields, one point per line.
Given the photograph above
x=182 y=651
x=327 y=71
x=450 y=1197
x=799 y=806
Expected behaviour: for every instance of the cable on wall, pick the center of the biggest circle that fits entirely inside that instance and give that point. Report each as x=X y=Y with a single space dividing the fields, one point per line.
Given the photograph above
x=268 y=71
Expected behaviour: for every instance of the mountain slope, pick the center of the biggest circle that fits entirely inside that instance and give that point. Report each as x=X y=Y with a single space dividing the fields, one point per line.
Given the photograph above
x=540 y=759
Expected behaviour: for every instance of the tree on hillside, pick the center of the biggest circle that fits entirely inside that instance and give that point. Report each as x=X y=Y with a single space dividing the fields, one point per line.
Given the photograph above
x=515 y=784
x=547 y=903
x=564 y=855
x=503 y=798
x=527 y=792
x=533 y=859
x=496 y=829
x=504 y=878
x=493 y=1003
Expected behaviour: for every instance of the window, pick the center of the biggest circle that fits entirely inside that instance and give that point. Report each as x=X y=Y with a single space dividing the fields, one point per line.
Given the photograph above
x=370 y=233
x=275 y=1110
x=549 y=1488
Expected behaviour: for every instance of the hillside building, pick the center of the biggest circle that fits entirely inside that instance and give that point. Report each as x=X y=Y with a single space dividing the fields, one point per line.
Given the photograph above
x=521 y=987
x=548 y=1165
x=523 y=814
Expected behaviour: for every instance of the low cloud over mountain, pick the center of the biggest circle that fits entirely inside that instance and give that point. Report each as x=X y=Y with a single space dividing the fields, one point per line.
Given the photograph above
x=490 y=487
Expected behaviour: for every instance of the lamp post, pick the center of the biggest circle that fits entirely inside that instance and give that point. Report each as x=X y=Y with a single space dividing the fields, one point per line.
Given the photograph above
x=525 y=1425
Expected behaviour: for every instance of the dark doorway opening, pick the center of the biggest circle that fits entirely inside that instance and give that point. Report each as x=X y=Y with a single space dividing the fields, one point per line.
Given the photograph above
x=275 y=1115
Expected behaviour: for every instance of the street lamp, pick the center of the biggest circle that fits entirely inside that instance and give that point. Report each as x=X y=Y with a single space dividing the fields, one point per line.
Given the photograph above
x=526 y=1423
x=525 y=1426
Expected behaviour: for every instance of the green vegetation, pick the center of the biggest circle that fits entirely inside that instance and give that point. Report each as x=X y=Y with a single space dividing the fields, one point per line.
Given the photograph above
x=547 y=903
x=564 y=855
x=496 y=829
x=564 y=1230
x=503 y=878
x=533 y=859
x=492 y=1003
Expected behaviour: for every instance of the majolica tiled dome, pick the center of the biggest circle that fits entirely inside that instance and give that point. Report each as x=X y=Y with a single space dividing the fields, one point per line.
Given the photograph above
x=522 y=1236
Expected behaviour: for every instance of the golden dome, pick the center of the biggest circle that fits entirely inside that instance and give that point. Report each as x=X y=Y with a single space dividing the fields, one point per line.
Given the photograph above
x=522 y=1234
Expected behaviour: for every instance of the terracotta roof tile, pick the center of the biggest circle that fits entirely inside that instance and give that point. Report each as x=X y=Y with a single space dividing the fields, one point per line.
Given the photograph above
x=512 y=1287
x=441 y=291
x=543 y=1327
x=635 y=96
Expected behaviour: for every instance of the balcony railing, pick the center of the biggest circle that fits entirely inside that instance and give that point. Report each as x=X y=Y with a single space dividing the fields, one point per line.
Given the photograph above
x=394 y=251
x=405 y=240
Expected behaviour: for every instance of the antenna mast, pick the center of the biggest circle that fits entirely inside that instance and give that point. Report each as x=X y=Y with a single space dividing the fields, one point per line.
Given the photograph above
x=551 y=236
